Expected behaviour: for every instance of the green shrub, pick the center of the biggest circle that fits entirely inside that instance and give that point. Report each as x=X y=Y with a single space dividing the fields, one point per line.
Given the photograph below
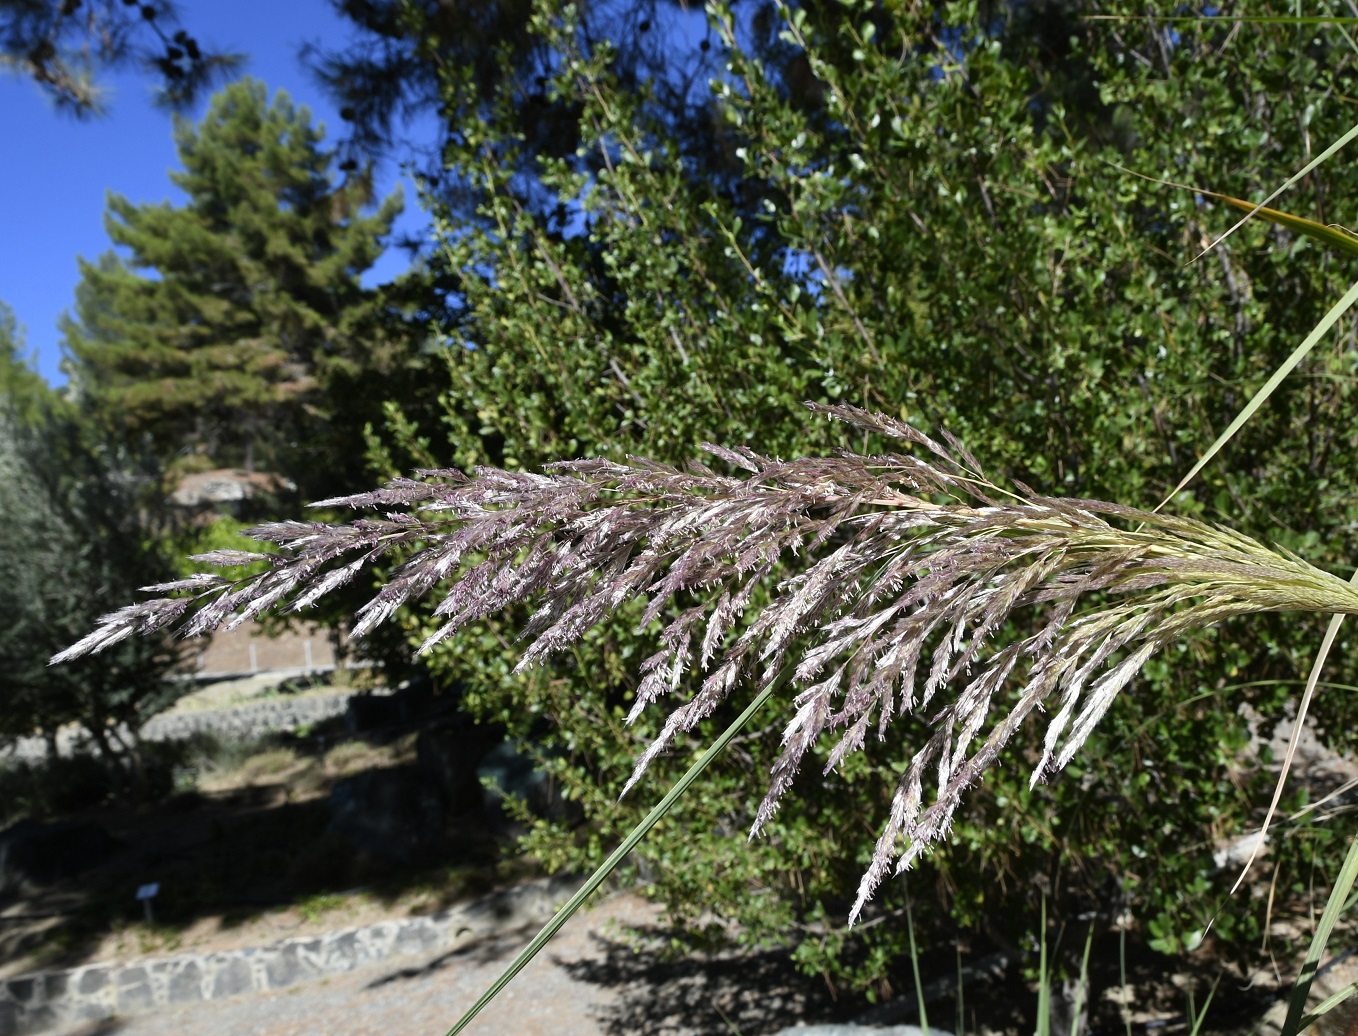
x=869 y=220
x=900 y=210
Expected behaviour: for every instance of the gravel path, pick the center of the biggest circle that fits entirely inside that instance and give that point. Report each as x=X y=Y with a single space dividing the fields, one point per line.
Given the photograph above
x=590 y=981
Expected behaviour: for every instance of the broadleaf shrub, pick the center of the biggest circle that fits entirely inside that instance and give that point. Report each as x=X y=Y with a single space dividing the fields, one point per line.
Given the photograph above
x=924 y=213
x=920 y=213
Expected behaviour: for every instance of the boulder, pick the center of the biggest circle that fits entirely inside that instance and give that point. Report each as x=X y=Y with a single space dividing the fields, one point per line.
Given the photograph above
x=34 y=854
x=227 y=486
x=391 y=816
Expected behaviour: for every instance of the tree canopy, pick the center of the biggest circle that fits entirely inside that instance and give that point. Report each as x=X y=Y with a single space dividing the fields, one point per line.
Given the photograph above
x=928 y=213
x=229 y=331
x=932 y=213
x=72 y=543
x=20 y=384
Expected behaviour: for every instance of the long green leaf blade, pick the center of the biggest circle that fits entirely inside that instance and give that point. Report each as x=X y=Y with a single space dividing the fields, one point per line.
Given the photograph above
x=1329 y=1004
x=596 y=879
x=914 y=963
x=1229 y=19
x=1335 y=238
x=1196 y=1018
x=1317 y=333
x=1044 y=1006
x=1324 y=156
x=1082 y=987
x=1296 y=1006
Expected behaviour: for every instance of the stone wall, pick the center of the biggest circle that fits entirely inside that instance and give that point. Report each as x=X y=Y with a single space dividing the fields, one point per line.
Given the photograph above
x=59 y=999
x=250 y=719
x=246 y=721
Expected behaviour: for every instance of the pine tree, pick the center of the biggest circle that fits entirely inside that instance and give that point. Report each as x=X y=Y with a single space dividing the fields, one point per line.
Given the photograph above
x=236 y=312
x=20 y=385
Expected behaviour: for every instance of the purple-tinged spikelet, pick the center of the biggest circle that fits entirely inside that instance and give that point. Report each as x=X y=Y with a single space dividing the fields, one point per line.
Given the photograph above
x=910 y=568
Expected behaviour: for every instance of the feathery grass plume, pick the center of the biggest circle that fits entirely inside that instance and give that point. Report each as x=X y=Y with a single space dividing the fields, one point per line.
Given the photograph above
x=912 y=566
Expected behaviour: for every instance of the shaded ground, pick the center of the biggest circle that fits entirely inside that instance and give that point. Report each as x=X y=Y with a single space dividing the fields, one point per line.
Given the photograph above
x=238 y=869
x=589 y=982
x=608 y=974
x=244 y=859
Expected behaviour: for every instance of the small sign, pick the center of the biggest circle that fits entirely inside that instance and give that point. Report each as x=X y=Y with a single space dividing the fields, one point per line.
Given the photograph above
x=146 y=893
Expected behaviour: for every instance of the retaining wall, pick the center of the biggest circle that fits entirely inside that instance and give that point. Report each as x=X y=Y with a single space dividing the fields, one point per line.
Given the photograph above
x=56 y=999
x=248 y=720
x=245 y=721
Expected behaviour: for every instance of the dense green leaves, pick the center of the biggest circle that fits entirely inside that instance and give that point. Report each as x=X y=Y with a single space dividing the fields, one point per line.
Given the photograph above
x=22 y=386
x=900 y=210
x=923 y=212
x=72 y=546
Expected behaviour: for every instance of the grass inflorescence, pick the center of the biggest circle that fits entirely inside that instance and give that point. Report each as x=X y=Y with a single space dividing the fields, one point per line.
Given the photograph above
x=912 y=569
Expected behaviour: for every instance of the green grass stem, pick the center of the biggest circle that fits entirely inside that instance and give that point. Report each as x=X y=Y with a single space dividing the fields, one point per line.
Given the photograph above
x=1044 y=994
x=914 y=964
x=1126 y=1006
x=961 y=1012
x=596 y=879
x=1082 y=989
x=1329 y=1004
x=1196 y=1017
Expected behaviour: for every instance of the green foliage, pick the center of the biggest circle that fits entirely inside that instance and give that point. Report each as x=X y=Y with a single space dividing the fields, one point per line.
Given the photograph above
x=391 y=75
x=72 y=547
x=901 y=211
x=313 y=908
x=20 y=384
x=222 y=532
x=249 y=341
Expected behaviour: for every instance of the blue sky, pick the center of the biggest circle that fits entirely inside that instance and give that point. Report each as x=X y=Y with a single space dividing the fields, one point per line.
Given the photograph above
x=57 y=171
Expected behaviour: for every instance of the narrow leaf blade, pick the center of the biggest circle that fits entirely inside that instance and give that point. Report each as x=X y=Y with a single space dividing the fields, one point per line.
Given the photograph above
x=1327 y=235
x=1259 y=398
x=1296 y=1006
x=1324 y=156
x=596 y=879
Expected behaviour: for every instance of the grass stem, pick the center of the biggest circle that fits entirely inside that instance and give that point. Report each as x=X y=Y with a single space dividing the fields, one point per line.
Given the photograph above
x=596 y=879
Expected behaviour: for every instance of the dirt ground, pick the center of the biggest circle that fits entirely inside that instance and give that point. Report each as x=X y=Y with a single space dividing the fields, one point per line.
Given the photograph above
x=243 y=859
x=593 y=980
